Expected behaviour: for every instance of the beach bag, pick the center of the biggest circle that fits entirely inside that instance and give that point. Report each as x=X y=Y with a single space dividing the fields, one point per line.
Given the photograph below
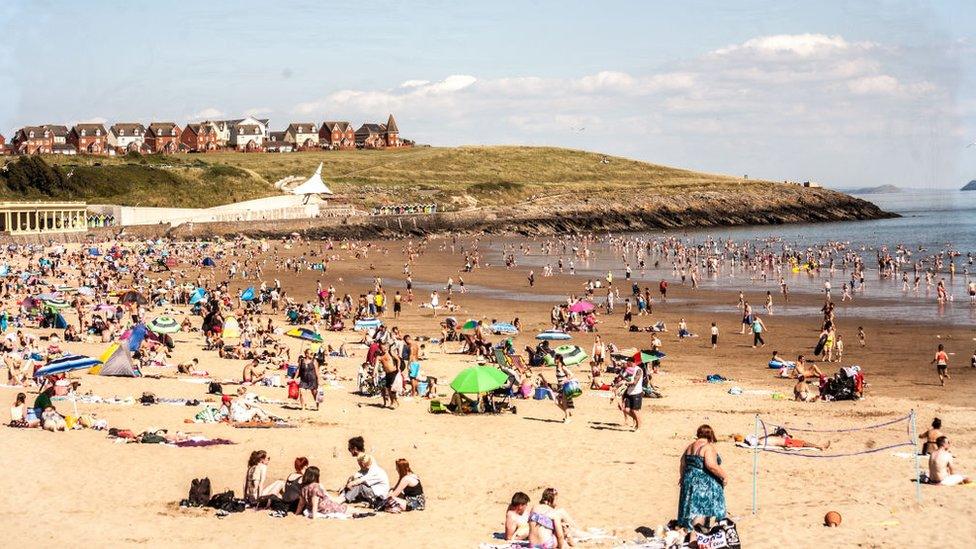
x=147 y=398
x=723 y=535
x=293 y=390
x=214 y=389
x=199 y=492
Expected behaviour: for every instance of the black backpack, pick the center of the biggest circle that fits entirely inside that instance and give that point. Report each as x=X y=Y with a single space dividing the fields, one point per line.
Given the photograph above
x=215 y=389
x=199 y=492
x=227 y=502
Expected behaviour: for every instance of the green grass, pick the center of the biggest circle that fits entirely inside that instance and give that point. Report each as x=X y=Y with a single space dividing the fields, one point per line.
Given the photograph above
x=453 y=177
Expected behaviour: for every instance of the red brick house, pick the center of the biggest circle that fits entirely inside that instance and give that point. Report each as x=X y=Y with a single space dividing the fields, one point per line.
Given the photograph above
x=163 y=137
x=379 y=136
x=89 y=138
x=337 y=135
x=3 y=144
x=200 y=137
x=33 y=140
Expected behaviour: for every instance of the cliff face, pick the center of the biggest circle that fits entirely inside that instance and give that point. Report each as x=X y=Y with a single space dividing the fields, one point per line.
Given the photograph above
x=746 y=205
x=971 y=186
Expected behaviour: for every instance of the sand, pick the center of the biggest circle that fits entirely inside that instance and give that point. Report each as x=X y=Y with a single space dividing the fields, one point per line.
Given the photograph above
x=81 y=488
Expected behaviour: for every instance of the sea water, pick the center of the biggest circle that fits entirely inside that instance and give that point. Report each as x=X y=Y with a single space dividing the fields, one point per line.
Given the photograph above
x=930 y=221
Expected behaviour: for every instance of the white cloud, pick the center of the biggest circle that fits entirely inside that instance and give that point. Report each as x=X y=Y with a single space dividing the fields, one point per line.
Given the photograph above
x=801 y=45
x=258 y=111
x=786 y=102
x=208 y=113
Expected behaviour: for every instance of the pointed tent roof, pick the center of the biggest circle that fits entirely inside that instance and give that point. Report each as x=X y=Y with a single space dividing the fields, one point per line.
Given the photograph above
x=391 y=125
x=313 y=185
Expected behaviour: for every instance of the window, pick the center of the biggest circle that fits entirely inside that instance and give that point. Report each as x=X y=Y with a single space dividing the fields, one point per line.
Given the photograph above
x=121 y=131
x=31 y=135
x=83 y=133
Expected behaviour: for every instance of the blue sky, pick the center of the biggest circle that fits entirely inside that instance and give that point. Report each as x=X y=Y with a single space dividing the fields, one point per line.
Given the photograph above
x=850 y=94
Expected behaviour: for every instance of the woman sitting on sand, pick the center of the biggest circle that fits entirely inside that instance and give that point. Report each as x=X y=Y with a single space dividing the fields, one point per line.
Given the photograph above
x=702 y=480
x=313 y=498
x=517 y=518
x=256 y=492
x=242 y=411
x=293 y=484
x=408 y=493
x=18 y=412
x=546 y=528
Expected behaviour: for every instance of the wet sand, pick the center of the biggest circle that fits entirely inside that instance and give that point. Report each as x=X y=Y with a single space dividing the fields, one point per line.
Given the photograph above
x=79 y=487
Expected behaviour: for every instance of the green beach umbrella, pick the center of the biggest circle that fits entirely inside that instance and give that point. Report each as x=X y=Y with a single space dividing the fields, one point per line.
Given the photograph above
x=644 y=357
x=479 y=379
x=164 y=325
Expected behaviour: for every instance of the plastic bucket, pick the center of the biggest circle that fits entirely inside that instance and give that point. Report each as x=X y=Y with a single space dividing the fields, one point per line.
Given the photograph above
x=422 y=388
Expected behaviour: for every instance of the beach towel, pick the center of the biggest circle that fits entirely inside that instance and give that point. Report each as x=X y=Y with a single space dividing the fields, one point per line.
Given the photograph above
x=777 y=448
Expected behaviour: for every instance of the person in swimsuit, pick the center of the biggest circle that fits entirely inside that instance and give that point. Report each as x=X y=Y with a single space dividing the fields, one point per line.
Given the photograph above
x=517 y=517
x=782 y=439
x=931 y=436
x=941 y=470
x=564 y=401
x=390 y=372
x=408 y=492
x=546 y=530
x=941 y=362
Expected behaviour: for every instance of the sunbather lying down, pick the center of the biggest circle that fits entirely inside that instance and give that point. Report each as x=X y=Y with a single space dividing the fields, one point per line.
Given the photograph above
x=782 y=439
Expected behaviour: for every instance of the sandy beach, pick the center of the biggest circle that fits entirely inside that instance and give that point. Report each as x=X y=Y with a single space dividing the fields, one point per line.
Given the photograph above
x=80 y=487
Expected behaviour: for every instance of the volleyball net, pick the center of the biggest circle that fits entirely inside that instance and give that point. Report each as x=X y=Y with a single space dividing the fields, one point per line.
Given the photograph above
x=775 y=438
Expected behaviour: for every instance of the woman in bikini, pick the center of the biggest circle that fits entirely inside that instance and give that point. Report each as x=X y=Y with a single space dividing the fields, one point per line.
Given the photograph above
x=545 y=523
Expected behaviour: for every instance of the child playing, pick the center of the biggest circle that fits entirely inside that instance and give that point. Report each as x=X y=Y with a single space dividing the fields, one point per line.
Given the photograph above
x=714 y=336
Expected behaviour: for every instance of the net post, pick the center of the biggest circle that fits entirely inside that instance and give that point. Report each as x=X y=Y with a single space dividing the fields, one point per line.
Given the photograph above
x=914 y=441
x=755 y=470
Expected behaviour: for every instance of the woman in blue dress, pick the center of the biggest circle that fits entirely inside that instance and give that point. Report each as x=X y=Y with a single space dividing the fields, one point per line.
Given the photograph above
x=702 y=480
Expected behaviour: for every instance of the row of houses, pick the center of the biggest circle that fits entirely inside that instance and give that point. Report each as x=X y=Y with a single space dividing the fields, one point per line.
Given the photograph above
x=244 y=134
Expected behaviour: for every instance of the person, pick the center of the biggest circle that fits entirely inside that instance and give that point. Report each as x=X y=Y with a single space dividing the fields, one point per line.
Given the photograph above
x=368 y=484
x=633 y=398
x=782 y=439
x=412 y=352
x=563 y=399
x=356 y=446
x=546 y=528
x=241 y=409
x=714 y=336
x=408 y=493
x=256 y=491
x=18 y=412
x=702 y=480
x=390 y=372
x=806 y=369
x=861 y=338
x=434 y=302
x=292 y=492
x=941 y=469
x=254 y=372
x=308 y=380
x=517 y=518
x=941 y=362
x=802 y=392
x=757 y=329
x=930 y=436
x=313 y=498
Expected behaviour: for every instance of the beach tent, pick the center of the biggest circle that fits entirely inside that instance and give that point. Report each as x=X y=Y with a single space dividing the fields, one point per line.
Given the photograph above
x=248 y=294
x=553 y=335
x=231 y=328
x=505 y=328
x=59 y=322
x=66 y=363
x=313 y=185
x=304 y=333
x=117 y=361
x=135 y=336
x=95 y=252
x=198 y=296
x=365 y=324
x=572 y=354
x=209 y=262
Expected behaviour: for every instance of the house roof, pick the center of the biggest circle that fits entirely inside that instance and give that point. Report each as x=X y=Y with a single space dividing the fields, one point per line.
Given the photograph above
x=90 y=128
x=202 y=128
x=158 y=128
x=56 y=130
x=129 y=128
x=391 y=125
x=249 y=129
x=333 y=125
x=25 y=131
x=302 y=127
x=276 y=136
x=371 y=128
x=237 y=121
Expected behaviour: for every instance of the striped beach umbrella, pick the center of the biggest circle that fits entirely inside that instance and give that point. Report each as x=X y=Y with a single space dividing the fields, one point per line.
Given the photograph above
x=56 y=303
x=66 y=363
x=164 y=325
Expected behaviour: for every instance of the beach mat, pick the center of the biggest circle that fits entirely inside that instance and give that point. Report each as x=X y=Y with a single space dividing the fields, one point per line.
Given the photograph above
x=263 y=425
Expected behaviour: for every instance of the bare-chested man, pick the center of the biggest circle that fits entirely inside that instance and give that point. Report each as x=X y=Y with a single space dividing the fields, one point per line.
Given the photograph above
x=389 y=377
x=941 y=470
x=806 y=370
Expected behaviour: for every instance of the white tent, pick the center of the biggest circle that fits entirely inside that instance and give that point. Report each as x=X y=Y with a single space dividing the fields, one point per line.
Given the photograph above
x=313 y=185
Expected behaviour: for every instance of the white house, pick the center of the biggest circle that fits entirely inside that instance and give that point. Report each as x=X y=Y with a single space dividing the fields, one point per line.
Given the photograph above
x=247 y=134
x=127 y=137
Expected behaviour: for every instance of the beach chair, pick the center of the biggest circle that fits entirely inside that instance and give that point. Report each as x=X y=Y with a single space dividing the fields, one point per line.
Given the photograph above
x=437 y=407
x=501 y=358
x=519 y=363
